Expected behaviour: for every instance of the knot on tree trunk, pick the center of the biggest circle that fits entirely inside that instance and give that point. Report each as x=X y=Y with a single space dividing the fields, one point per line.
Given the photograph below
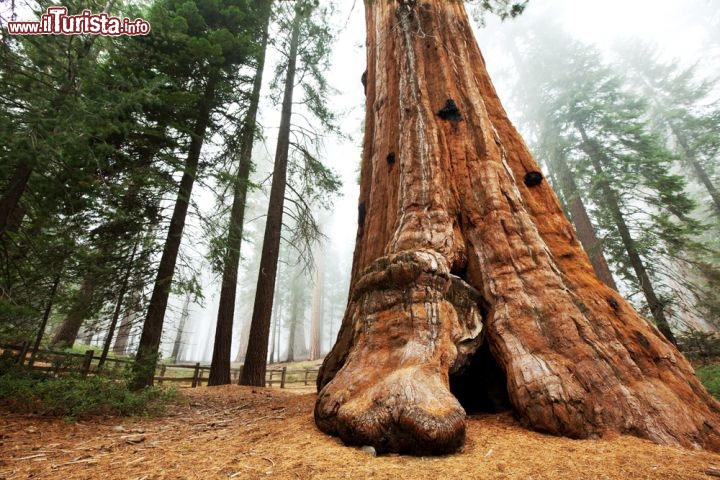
x=410 y=319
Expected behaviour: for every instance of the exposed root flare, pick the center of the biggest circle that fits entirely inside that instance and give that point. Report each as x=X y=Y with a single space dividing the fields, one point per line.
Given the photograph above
x=409 y=317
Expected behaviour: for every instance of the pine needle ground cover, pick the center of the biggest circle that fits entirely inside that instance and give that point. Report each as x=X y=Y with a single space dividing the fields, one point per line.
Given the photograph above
x=249 y=433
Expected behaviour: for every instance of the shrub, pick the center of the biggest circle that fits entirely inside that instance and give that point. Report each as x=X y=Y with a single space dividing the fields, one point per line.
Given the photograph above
x=709 y=375
x=72 y=397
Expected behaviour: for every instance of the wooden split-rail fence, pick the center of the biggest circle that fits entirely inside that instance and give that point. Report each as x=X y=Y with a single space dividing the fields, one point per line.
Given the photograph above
x=191 y=374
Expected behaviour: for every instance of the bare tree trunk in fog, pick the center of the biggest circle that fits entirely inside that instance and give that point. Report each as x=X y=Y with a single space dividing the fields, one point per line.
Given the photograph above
x=317 y=306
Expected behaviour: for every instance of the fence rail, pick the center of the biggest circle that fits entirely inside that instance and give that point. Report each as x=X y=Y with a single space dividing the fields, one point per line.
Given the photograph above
x=194 y=375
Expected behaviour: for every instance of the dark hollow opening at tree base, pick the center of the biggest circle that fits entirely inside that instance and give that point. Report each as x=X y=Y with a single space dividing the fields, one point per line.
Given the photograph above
x=481 y=385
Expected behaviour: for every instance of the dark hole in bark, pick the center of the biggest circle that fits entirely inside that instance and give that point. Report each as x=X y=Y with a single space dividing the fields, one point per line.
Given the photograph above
x=450 y=111
x=533 y=179
x=459 y=268
x=642 y=340
x=361 y=214
x=613 y=303
x=363 y=80
x=481 y=386
x=391 y=158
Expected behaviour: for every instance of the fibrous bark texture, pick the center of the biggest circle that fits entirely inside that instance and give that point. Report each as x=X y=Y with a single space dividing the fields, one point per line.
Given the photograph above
x=455 y=248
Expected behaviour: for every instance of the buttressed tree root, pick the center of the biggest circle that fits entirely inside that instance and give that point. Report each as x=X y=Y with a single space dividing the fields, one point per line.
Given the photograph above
x=393 y=392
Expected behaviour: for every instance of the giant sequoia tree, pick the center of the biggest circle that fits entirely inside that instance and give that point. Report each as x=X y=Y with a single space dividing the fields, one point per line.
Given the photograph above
x=465 y=262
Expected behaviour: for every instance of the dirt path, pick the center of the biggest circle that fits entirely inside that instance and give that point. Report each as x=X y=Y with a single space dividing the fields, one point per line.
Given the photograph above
x=245 y=433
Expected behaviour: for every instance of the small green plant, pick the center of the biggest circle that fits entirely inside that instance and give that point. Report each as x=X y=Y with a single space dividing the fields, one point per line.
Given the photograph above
x=73 y=397
x=709 y=375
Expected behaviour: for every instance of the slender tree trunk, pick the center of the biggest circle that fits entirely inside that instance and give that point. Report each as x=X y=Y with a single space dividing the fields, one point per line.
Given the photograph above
x=704 y=178
x=458 y=247
x=290 y=354
x=10 y=200
x=295 y=298
x=317 y=307
x=278 y=332
x=121 y=339
x=147 y=354
x=612 y=202
x=220 y=365
x=46 y=315
x=180 y=329
x=118 y=306
x=300 y=349
x=253 y=372
x=273 y=327
x=242 y=341
x=67 y=334
x=698 y=169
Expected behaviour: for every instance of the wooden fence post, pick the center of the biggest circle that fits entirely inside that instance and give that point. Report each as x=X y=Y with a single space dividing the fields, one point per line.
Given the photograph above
x=196 y=375
x=307 y=371
x=282 y=377
x=87 y=362
x=162 y=373
x=23 y=352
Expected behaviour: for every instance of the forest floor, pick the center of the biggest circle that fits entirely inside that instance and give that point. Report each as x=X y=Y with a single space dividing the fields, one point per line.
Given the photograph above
x=250 y=433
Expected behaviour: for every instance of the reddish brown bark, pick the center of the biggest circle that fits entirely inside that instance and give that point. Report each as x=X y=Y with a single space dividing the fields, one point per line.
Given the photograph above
x=442 y=193
x=581 y=220
x=149 y=345
x=253 y=372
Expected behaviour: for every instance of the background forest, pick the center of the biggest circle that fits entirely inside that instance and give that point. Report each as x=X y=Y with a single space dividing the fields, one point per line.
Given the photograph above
x=144 y=180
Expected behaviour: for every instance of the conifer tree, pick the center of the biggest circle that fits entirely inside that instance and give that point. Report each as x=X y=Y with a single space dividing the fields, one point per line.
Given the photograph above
x=307 y=49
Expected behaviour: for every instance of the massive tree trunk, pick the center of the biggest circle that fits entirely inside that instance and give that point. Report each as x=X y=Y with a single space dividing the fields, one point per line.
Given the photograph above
x=220 y=365
x=253 y=372
x=581 y=220
x=457 y=233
